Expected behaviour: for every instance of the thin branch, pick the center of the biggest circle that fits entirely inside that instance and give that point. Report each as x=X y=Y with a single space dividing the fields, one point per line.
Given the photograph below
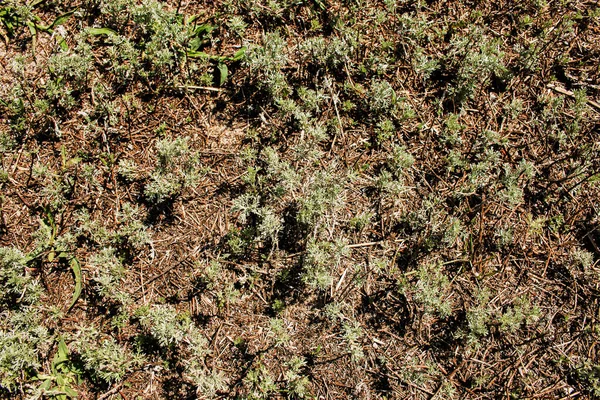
x=208 y=88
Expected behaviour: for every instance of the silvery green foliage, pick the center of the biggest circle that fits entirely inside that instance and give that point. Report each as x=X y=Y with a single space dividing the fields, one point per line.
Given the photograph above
x=22 y=338
x=266 y=63
x=432 y=289
x=382 y=97
x=237 y=25
x=164 y=30
x=17 y=356
x=424 y=64
x=208 y=382
x=246 y=205
x=128 y=170
x=583 y=258
x=131 y=230
x=400 y=160
x=278 y=331
x=160 y=42
x=352 y=334
x=177 y=331
x=104 y=358
x=171 y=329
x=331 y=53
x=480 y=58
x=108 y=272
x=260 y=383
x=320 y=260
x=280 y=170
x=22 y=341
x=297 y=383
x=270 y=225
x=177 y=167
x=478 y=317
x=521 y=312
x=161 y=187
x=324 y=193
x=16 y=287
x=73 y=65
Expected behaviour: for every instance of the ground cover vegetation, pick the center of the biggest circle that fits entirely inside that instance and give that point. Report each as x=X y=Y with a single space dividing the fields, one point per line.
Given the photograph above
x=299 y=199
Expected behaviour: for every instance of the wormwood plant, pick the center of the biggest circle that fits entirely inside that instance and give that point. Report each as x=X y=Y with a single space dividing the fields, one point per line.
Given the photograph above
x=151 y=43
x=393 y=179
x=18 y=288
x=260 y=383
x=279 y=331
x=172 y=330
x=23 y=338
x=324 y=194
x=16 y=15
x=23 y=341
x=266 y=63
x=103 y=358
x=108 y=272
x=479 y=317
x=296 y=382
x=130 y=233
x=422 y=131
x=583 y=259
x=158 y=47
x=268 y=223
x=70 y=68
x=352 y=332
x=321 y=259
x=382 y=97
x=432 y=288
x=177 y=167
x=328 y=54
x=589 y=373
x=269 y=179
x=177 y=333
x=521 y=312
x=280 y=172
x=208 y=382
x=481 y=58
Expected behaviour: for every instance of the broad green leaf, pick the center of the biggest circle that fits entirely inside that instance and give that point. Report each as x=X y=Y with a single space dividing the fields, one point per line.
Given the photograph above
x=203 y=30
x=32 y=28
x=70 y=392
x=76 y=267
x=62 y=43
x=61 y=19
x=61 y=356
x=101 y=31
x=239 y=54
x=197 y=43
x=222 y=72
x=41 y=377
x=63 y=350
x=197 y=54
x=47 y=384
x=72 y=162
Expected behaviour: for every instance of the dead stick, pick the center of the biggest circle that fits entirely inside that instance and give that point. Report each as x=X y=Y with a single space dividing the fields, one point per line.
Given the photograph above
x=210 y=89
